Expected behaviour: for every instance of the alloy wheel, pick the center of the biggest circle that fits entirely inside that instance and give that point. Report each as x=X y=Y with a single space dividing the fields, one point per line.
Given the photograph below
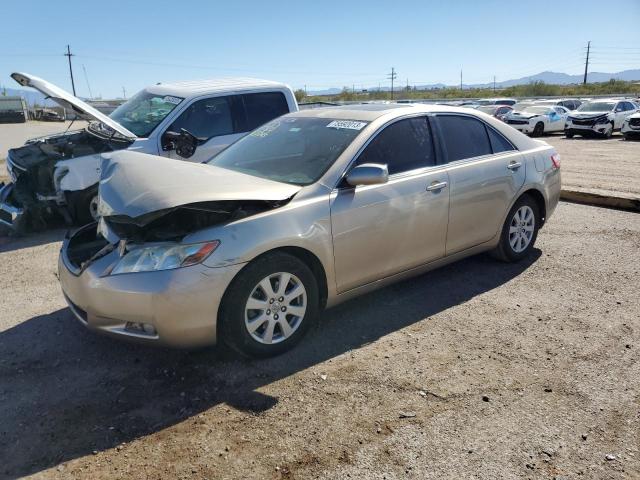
x=521 y=228
x=275 y=308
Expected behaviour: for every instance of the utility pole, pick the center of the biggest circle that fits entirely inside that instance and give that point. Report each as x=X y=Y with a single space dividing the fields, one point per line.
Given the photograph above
x=460 y=79
x=69 y=55
x=586 y=63
x=494 y=84
x=124 y=93
x=392 y=76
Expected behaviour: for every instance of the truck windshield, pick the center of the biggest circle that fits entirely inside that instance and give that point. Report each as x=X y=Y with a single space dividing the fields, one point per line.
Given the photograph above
x=295 y=150
x=142 y=113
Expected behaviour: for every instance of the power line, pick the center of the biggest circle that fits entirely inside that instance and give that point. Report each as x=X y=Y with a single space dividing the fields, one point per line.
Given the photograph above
x=86 y=78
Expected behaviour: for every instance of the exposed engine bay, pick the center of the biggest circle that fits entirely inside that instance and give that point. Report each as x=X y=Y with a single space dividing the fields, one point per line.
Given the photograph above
x=33 y=165
x=88 y=244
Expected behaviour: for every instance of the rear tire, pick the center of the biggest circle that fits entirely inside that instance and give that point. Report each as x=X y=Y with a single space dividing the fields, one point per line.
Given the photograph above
x=519 y=231
x=282 y=312
x=568 y=134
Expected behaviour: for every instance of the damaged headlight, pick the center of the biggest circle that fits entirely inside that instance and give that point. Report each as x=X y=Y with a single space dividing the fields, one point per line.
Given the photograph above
x=164 y=257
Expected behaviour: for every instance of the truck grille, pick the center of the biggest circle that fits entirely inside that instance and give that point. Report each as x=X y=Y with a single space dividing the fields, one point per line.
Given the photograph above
x=634 y=122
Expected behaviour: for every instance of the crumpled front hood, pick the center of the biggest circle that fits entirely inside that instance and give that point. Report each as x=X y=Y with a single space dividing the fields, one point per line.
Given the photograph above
x=133 y=184
x=524 y=115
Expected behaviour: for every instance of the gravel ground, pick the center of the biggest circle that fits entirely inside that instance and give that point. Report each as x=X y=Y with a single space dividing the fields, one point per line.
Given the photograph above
x=477 y=370
x=606 y=167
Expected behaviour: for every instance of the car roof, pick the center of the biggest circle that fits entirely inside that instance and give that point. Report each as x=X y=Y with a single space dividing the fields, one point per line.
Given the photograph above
x=371 y=112
x=199 y=87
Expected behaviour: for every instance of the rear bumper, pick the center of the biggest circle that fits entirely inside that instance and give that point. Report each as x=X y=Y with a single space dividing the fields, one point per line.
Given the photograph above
x=178 y=307
x=10 y=215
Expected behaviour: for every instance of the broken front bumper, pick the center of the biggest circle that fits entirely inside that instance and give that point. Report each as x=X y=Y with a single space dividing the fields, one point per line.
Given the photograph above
x=10 y=215
x=177 y=308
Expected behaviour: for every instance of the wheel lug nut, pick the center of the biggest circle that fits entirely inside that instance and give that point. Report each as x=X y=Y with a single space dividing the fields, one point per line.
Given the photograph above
x=275 y=317
x=281 y=299
x=268 y=312
x=284 y=309
x=271 y=300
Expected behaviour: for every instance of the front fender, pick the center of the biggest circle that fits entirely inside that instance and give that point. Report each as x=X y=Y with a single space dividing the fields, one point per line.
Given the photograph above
x=82 y=173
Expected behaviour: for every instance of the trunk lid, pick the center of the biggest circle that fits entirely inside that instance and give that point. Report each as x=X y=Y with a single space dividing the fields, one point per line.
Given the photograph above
x=67 y=100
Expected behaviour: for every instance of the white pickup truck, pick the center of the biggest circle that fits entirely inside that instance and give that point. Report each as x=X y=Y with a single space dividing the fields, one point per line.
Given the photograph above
x=193 y=121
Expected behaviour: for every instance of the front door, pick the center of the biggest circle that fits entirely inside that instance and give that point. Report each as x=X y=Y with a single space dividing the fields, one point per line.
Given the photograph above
x=214 y=120
x=379 y=230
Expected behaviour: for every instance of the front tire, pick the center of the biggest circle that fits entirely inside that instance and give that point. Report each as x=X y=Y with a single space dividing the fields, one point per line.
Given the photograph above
x=568 y=134
x=608 y=132
x=538 y=130
x=84 y=206
x=519 y=231
x=269 y=306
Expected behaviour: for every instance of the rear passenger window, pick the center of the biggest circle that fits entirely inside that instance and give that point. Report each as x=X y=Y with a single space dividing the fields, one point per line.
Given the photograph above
x=402 y=146
x=263 y=107
x=464 y=137
x=498 y=142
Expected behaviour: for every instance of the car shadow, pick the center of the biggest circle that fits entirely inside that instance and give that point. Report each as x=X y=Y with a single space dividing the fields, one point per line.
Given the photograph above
x=66 y=392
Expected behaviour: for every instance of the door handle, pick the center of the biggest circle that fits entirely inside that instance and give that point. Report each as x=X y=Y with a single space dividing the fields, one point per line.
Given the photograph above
x=514 y=165
x=436 y=186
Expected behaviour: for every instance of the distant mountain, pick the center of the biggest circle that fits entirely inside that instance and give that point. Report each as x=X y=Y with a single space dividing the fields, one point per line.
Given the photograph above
x=555 y=78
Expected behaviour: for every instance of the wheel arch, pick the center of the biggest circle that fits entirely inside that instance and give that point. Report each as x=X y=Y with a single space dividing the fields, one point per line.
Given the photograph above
x=541 y=203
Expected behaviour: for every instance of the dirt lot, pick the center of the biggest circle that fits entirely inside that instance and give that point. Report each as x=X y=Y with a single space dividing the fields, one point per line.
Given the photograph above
x=606 y=167
x=477 y=370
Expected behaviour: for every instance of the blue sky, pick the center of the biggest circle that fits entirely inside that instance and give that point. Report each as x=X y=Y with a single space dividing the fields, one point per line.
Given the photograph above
x=318 y=44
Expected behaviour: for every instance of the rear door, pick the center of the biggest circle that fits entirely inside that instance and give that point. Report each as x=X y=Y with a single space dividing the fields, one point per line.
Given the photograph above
x=485 y=173
x=379 y=230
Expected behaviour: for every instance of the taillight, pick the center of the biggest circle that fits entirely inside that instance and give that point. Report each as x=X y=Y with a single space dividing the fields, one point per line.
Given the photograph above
x=555 y=160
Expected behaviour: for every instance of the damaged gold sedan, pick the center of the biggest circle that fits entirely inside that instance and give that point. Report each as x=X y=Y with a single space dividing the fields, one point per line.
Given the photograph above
x=307 y=211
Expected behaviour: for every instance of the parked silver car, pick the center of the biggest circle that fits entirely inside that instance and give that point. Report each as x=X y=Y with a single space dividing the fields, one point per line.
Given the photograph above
x=305 y=212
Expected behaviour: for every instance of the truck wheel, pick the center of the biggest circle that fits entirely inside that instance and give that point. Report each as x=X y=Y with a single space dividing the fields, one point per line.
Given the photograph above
x=84 y=206
x=269 y=306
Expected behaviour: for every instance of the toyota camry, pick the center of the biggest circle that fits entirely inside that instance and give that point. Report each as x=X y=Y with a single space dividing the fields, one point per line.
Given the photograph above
x=311 y=209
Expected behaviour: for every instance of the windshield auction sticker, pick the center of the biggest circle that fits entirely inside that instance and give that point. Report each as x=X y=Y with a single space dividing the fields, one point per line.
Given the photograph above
x=173 y=100
x=350 y=124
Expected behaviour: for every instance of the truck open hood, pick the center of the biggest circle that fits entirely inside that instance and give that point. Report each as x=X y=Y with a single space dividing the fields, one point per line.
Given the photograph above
x=67 y=100
x=136 y=185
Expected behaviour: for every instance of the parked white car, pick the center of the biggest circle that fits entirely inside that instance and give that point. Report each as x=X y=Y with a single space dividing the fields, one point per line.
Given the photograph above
x=186 y=121
x=538 y=119
x=568 y=103
x=599 y=117
x=631 y=126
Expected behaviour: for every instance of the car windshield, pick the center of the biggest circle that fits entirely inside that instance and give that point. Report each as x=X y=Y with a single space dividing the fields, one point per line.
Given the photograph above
x=142 y=113
x=295 y=150
x=539 y=110
x=487 y=109
x=518 y=107
x=596 y=107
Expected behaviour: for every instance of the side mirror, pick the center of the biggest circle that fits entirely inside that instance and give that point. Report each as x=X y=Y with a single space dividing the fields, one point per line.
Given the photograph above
x=368 y=174
x=184 y=143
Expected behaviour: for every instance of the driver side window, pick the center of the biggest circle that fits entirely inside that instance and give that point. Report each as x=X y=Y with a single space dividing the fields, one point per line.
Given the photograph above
x=404 y=145
x=207 y=118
